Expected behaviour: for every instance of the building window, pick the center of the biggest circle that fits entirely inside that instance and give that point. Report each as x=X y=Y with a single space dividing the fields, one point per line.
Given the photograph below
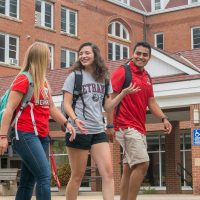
x=156 y=171
x=117 y=51
x=186 y=159
x=68 y=58
x=51 y=49
x=44 y=14
x=194 y=1
x=157 y=4
x=117 y=29
x=156 y=149
x=159 y=41
x=196 y=37
x=9 y=48
x=9 y=8
x=127 y=2
x=69 y=21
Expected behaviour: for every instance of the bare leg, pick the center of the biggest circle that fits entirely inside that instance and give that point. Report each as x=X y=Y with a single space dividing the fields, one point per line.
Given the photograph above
x=78 y=162
x=137 y=175
x=124 y=186
x=101 y=154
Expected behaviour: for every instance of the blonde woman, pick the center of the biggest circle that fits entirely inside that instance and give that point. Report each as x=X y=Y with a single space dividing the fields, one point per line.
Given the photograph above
x=29 y=141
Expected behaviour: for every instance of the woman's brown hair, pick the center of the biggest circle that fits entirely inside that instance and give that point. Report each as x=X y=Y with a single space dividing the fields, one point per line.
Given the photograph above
x=100 y=72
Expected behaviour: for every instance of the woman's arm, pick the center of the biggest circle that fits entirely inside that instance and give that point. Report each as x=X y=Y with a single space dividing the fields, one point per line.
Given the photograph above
x=70 y=112
x=59 y=117
x=111 y=103
x=14 y=100
x=156 y=111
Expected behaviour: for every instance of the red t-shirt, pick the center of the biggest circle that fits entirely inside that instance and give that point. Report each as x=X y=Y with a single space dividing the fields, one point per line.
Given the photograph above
x=133 y=107
x=40 y=109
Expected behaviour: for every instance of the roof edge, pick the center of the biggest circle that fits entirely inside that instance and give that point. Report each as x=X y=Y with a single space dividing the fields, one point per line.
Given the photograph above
x=177 y=8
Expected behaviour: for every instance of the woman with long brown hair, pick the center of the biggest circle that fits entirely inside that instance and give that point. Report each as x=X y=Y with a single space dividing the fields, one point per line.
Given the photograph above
x=87 y=120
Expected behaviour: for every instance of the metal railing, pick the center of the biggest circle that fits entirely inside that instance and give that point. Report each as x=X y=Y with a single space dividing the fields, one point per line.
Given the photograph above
x=180 y=171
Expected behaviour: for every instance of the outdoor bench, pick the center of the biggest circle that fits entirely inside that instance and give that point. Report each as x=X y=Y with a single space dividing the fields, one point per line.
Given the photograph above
x=8 y=180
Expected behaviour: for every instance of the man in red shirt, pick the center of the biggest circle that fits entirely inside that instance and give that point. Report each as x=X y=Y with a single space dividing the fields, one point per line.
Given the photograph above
x=130 y=121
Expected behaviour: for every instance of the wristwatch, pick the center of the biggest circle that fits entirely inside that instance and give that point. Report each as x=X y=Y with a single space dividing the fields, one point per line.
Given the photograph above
x=65 y=124
x=163 y=118
x=109 y=126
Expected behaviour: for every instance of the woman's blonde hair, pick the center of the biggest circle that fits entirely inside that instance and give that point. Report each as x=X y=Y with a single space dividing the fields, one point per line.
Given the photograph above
x=36 y=62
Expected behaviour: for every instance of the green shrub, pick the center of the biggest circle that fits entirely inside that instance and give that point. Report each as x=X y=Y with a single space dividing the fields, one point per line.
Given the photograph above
x=64 y=173
x=148 y=190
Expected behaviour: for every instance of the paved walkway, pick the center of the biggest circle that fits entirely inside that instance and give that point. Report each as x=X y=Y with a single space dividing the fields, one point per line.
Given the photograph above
x=140 y=197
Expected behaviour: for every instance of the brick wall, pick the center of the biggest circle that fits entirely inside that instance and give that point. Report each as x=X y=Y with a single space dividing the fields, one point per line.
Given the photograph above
x=176 y=27
x=195 y=155
x=116 y=156
x=172 y=158
x=94 y=17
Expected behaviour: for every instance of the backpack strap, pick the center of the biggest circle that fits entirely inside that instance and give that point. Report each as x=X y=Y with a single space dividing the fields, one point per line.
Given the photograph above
x=29 y=94
x=127 y=81
x=105 y=91
x=77 y=92
x=25 y=102
x=128 y=76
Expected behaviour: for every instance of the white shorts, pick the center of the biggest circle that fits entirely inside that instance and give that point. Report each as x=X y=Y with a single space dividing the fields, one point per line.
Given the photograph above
x=134 y=146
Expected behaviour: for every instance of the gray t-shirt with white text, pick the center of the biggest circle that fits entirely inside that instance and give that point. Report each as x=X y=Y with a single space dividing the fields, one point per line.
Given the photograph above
x=93 y=93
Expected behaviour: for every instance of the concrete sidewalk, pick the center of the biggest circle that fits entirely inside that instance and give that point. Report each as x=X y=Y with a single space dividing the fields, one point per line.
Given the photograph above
x=140 y=197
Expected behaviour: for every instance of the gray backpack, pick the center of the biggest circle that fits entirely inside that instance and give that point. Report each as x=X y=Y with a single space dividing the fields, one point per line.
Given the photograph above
x=25 y=102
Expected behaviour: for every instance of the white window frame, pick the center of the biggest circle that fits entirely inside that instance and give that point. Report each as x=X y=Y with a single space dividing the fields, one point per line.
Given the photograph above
x=184 y=150
x=7 y=59
x=122 y=27
x=7 y=9
x=153 y=5
x=191 y=2
x=159 y=4
x=159 y=151
x=42 y=17
x=192 y=36
x=121 y=50
x=156 y=41
x=52 y=54
x=67 y=13
x=127 y=2
x=67 y=51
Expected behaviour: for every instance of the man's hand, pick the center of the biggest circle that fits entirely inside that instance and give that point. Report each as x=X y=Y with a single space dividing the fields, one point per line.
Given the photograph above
x=132 y=88
x=167 y=126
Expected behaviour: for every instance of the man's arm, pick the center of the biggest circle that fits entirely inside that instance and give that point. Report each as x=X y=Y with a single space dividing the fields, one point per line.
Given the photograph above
x=109 y=116
x=156 y=111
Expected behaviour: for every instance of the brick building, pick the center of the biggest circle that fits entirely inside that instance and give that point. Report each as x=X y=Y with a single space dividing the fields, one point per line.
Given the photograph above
x=172 y=27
